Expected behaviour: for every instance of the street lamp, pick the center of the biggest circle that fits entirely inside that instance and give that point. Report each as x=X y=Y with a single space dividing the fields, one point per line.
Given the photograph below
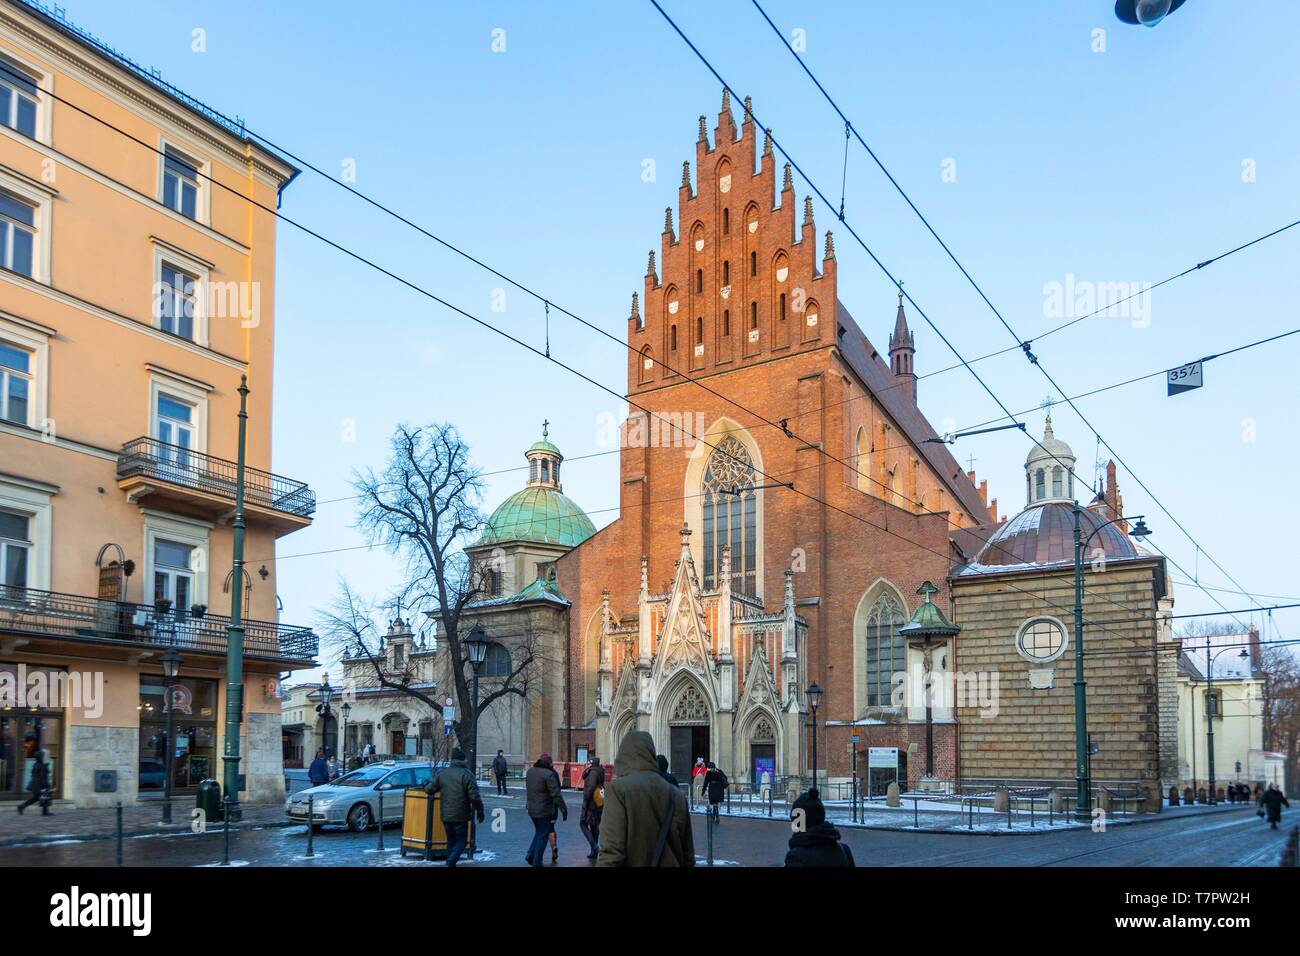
x=476 y=645
x=814 y=695
x=1083 y=781
x=326 y=695
x=346 y=710
x=171 y=663
x=1211 y=710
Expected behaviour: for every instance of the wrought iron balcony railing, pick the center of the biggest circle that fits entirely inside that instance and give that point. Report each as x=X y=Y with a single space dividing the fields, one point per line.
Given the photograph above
x=159 y=461
x=81 y=618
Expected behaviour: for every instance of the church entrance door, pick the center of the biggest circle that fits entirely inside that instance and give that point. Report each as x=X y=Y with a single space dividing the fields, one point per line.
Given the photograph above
x=687 y=743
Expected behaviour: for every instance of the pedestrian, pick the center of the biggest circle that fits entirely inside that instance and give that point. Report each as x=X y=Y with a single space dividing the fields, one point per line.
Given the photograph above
x=39 y=784
x=332 y=764
x=814 y=841
x=714 y=786
x=553 y=837
x=1271 y=802
x=367 y=752
x=697 y=775
x=544 y=801
x=318 y=774
x=459 y=797
x=664 y=772
x=647 y=821
x=499 y=770
x=593 y=803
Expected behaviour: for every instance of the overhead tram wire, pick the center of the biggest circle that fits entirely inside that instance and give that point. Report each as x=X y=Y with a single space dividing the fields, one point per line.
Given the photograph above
x=1023 y=344
x=487 y=325
x=1020 y=342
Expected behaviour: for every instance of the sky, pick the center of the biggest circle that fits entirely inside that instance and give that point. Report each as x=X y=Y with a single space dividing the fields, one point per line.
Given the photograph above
x=1047 y=155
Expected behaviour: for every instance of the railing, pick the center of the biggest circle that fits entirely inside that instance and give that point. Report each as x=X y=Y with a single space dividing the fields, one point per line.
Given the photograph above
x=50 y=613
x=153 y=459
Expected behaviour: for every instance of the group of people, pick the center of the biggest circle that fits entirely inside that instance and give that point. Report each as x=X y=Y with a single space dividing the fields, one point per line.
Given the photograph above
x=640 y=818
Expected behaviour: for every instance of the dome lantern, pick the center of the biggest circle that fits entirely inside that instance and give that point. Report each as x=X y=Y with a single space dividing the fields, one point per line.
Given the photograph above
x=540 y=512
x=1049 y=469
x=544 y=462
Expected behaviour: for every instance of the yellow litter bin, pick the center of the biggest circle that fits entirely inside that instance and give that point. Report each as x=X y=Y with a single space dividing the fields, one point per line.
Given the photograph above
x=422 y=829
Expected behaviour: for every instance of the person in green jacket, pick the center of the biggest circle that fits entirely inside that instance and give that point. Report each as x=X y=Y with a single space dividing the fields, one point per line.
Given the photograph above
x=647 y=821
x=459 y=796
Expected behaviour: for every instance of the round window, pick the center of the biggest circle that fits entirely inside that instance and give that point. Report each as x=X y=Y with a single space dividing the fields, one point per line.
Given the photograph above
x=1041 y=639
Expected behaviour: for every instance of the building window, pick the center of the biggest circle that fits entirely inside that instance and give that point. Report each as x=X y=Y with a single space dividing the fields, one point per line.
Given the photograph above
x=730 y=516
x=176 y=302
x=180 y=183
x=17 y=235
x=699 y=280
x=726 y=221
x=699 y=331
x=753 y=315
x=1214 y=704
x=1040 y=485
x=173 y=575
x=1041 y=639
x=726 y=321
x=1057 y=486
x=195 y=703
x=15 y=543
x=753 y=263
x=672 y=337
x=18 y=100
x=173 y=425
x=726 y=272
x=782 y=306
x=399 y=657
x=884 y=649
x=15 y=383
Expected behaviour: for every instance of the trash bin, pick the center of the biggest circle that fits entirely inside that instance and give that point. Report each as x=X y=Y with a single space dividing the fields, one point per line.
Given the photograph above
x=422 y=829
x=208 y=801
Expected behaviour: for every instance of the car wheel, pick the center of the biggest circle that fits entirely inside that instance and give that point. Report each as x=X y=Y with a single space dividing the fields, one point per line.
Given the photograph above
x=359 y=818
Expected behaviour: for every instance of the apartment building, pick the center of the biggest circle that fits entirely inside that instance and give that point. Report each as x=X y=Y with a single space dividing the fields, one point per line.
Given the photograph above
x=137 y=289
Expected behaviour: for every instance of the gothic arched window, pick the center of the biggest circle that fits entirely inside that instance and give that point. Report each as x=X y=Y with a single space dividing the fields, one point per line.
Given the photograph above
x=885 y=651
x=1040 y=485
x=730 y=512
x=1057 y=489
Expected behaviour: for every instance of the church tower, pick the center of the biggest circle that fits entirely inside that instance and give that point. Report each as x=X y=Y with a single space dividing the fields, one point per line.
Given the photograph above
x=902 y=349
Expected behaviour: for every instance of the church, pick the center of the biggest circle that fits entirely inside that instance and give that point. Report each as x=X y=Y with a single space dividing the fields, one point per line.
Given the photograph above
x=786 y=509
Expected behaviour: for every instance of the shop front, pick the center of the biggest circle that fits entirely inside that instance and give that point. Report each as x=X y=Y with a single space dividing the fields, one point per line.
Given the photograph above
x=195 y=704
x=27 y=730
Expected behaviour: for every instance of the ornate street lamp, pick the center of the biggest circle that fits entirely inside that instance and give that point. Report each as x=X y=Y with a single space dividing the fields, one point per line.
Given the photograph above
x=927 y=630
x=346 y=711
x=326 y=695
x=476 y=644
x=1212 y=710
x=814 y=695
x=1083 y=774
x=171 y=663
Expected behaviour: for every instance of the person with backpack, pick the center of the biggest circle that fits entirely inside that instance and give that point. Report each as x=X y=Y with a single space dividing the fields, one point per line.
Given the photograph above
x=714 y=786
x=460 y=797
x=593 y=804
x=646 y=821
x=499 y=769
x=814 y=841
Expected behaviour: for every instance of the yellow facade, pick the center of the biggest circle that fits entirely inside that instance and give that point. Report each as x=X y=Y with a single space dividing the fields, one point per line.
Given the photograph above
x=137 y=287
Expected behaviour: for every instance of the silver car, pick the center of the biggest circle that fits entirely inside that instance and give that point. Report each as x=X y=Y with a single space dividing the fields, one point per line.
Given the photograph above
x=352 y=800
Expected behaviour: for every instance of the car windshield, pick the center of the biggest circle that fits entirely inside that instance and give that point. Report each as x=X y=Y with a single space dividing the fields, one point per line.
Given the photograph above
x=363 y=777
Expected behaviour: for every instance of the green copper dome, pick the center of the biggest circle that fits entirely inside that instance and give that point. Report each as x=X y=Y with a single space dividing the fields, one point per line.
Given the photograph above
x=544 y=515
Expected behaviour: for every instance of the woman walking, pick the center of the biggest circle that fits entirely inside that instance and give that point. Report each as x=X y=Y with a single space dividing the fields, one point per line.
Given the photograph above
x=544 y=801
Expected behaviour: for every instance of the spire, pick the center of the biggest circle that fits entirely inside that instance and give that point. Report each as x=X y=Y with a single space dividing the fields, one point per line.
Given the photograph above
x=726 y=100
x=686 y=172
x=807 y=211
x=668 y=220
x=1047 y=428
x=650 y=272
x=902 y=349
x=830 y=245
x=704 y=136
x=749 y=110
x=902 y=334
x=787 y=185
x=767 y=142
x=636 y=301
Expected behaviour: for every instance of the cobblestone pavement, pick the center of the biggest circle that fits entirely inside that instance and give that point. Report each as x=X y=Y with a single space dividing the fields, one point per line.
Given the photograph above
x=1228 y=837
x=68 y=822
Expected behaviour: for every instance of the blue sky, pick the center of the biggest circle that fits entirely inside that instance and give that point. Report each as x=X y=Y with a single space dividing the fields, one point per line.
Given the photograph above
x=1117 y=166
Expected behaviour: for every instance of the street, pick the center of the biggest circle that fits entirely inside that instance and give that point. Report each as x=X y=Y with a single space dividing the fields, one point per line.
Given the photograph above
x=1230 y=838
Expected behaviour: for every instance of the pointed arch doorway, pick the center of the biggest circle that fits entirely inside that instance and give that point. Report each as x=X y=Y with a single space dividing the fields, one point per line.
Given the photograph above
x=689 y=724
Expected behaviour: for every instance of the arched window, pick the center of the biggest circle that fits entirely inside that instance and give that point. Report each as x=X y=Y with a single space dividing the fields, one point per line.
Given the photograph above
x=861 y=461
x=730 y=515
x=782 y=306
x=726 y=272
x=726 y=321
x=1040 y=484
x=1057 y=487
x=699 y=280
x=672 y=340
x=885 y=650
x=546 y=470
x=496 y=663
x=753 y=315
x=647 y=365
x=753 y=263
x=699 y=331
x=726 y=221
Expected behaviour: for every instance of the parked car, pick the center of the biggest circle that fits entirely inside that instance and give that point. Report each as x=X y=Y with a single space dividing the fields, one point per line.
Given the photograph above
x=153 y=774
x=353 y=799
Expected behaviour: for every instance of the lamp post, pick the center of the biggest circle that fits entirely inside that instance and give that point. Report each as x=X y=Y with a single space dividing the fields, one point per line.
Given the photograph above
x=235 y=631
x=1211 y=711
x=476 y=645
x=1083 y=771
x=346 y=711
x=928 y=630
x=171 y=662
x=326 y=695
x=814 y=695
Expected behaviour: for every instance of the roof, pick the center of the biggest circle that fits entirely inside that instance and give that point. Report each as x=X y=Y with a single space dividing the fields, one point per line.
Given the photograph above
x=544 y=445
x=1043 y=536
x=542 y=515
x=539 y=590
x=865 y=360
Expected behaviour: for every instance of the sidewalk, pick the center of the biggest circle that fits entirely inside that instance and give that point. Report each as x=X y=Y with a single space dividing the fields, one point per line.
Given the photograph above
x=68 y=823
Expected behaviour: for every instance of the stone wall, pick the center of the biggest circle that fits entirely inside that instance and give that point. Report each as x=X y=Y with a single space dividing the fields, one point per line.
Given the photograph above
x=91 y=748
x=263 y=759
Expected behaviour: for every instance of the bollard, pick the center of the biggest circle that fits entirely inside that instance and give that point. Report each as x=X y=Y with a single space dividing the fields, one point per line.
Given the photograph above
x=119 y=833
x=769 y=801
x=1008 y=814
x=1031 y=812
x=380 y=845
x=225 y=831
x=709 y=829
x=311 y=826
x=916 y=816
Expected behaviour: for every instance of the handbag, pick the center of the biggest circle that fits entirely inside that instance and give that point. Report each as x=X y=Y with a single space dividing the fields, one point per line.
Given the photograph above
x=46 y=798
x=598 y=798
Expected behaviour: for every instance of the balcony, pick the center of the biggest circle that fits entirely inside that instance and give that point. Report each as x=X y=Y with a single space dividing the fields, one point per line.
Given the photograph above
x=49 y=614
x=189 y=482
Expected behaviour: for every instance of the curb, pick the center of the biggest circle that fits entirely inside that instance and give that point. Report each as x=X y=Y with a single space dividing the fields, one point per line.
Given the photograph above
x=131 y=834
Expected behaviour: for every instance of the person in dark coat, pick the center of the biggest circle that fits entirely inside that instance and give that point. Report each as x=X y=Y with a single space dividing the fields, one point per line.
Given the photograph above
x=499 y=769
x=815 y=842
x=544 y=801
x=715 y=787
x=593 y=803
x=1272 y=801
x=318 y=774
x=663 y=769
x=459 y=796
x=646 y=821
x=39 y=785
